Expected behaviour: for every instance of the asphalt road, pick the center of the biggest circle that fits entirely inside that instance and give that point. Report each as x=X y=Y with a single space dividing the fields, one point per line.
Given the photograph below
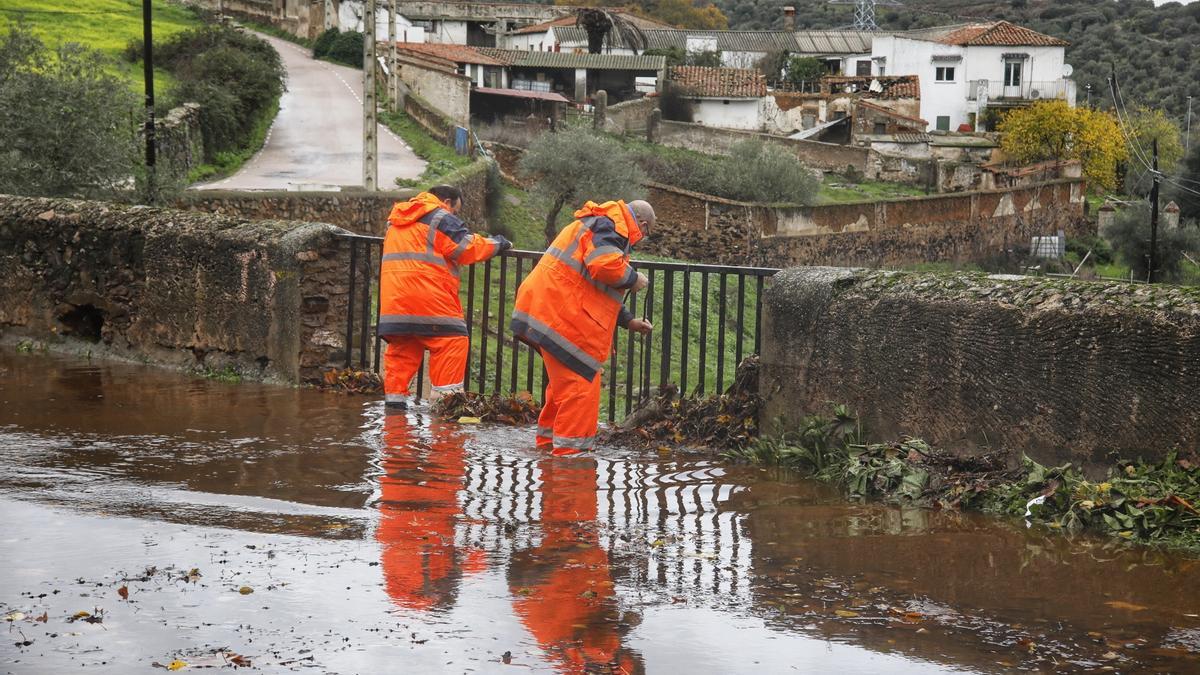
x=316 y=139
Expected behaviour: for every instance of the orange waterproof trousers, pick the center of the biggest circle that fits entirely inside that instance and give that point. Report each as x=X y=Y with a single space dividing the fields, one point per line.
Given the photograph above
x=402 y=360
x=571 y=413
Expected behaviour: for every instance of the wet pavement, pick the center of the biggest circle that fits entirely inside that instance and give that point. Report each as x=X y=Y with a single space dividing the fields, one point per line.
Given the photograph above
x=147 y=517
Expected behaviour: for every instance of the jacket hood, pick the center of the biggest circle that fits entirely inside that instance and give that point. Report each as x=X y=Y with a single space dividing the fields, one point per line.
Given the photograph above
x=407 y=213
x=618 y=212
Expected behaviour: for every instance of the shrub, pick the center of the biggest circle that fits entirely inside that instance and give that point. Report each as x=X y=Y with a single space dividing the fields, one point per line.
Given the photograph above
x=755 y=172
x=234 y=76
x=66 y=126
x=767 y=173
x=324 y=42
x=1102 y=253
x=345 y=48
x=1129 y=234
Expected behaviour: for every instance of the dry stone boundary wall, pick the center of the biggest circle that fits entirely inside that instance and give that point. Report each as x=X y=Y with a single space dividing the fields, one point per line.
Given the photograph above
x=184 y=289
x=1061 y=370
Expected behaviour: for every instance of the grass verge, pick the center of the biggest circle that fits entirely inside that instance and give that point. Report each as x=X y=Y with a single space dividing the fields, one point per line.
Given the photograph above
x=442 y=160
x=1138 y=501
x=838 y=190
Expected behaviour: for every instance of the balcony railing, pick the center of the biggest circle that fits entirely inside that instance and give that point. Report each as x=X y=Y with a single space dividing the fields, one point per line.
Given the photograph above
x=1026 y=91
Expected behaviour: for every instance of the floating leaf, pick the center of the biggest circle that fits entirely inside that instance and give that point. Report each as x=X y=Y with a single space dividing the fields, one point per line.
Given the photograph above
x=123 y=592
x=177 y=665
x=245 y=590
x=845 y=613
x=469 y=420
x=1120 y=604
x=16 y=616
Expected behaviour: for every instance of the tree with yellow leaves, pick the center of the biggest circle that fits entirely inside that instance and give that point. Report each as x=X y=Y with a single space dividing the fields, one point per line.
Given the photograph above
x=1053 y=130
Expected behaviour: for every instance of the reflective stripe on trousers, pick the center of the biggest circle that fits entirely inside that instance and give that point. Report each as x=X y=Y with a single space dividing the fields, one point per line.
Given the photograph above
x=571 y=413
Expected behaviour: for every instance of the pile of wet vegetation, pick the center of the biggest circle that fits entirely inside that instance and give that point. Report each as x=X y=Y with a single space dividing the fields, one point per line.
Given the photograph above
x=1143 y=501
x=469 y=406
x=725 y=422
x=351 y=381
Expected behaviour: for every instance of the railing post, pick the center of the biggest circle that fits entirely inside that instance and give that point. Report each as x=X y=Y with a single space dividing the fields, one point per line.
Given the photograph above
x=683 y=339
x=350 y=301
x=664 y=373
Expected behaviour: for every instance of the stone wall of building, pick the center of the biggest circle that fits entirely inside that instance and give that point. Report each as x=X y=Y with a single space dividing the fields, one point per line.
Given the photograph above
x=440 y=88
x=184 y=289
x=1060 y=370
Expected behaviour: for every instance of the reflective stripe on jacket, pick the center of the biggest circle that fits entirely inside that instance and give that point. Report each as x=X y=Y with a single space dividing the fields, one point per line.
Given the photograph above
x=571 y=302
x=424 y=246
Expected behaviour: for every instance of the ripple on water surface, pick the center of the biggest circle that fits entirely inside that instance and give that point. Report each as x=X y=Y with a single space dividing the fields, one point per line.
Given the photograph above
x=298 y=529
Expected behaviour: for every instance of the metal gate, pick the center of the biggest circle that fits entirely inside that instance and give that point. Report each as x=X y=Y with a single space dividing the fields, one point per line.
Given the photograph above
x=707 y=319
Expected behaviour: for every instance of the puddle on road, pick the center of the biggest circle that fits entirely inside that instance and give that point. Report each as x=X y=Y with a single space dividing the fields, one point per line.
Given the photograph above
x=328 y=537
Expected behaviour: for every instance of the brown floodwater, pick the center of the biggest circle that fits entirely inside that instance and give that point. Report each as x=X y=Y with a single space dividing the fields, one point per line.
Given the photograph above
x=210 y=524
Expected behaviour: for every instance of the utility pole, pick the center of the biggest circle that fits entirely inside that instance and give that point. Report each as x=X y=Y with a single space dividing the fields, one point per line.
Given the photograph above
x=370 y=125
x=392 y=74
x=1154 y=215
x=148 y=77
x=1187 y=139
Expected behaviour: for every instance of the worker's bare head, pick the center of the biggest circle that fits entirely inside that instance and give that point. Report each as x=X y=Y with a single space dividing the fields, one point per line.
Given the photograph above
x=644 y=213
x=450 y=196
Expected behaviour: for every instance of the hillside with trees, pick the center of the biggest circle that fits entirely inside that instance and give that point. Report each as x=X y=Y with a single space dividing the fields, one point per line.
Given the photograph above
x=1153 y=49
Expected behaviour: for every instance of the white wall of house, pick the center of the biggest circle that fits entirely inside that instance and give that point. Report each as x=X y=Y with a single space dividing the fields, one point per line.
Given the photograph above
x=543 y=41
x=954 y=100
x=447 y=32
x=729 y=113
x=349 y=17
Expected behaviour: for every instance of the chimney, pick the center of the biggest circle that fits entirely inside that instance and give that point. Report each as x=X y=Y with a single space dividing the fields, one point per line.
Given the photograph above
x=789 y=19
x=1170 y=215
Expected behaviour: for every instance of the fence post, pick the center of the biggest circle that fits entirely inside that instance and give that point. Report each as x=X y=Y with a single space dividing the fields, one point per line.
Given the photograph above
x=652 y=124
x=600 y=109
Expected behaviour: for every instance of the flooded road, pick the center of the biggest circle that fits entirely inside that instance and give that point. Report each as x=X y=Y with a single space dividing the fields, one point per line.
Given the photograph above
x=151 y=518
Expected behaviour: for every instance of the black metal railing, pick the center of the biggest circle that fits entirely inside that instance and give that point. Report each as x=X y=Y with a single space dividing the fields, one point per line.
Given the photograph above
x=706 y=318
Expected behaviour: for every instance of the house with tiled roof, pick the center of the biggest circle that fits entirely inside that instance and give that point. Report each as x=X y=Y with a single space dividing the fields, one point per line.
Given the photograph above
x=970 y=72
x=730 y=98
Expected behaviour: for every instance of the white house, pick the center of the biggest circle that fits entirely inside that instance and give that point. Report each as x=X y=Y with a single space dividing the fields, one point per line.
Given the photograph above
x=730 y=98
x=967 y=69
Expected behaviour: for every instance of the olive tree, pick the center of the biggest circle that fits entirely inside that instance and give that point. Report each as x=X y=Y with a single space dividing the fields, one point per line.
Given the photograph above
x=1129 y=234
x=578 y=164
x=66 y=126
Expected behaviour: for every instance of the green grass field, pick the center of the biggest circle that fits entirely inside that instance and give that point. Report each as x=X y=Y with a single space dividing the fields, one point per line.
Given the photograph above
x=104 y=25
x=837 y=190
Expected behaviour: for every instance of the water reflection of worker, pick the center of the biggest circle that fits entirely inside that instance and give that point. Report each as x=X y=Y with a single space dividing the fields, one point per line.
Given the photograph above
x=418 y=511
x=563 y=589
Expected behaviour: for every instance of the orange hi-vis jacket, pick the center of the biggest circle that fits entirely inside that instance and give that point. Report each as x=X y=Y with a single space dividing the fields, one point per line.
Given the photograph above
x=571 y=302
x=423 y=249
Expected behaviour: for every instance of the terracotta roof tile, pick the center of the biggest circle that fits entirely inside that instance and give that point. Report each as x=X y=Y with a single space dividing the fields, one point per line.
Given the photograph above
x=720 y=82
x=455 y=53
x=999 y=34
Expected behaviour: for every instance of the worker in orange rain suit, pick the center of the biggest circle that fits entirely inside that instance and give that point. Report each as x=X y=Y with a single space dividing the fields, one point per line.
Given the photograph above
x=563 y=590
x=419 y=306
x=568 y=308
x=418 y=512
